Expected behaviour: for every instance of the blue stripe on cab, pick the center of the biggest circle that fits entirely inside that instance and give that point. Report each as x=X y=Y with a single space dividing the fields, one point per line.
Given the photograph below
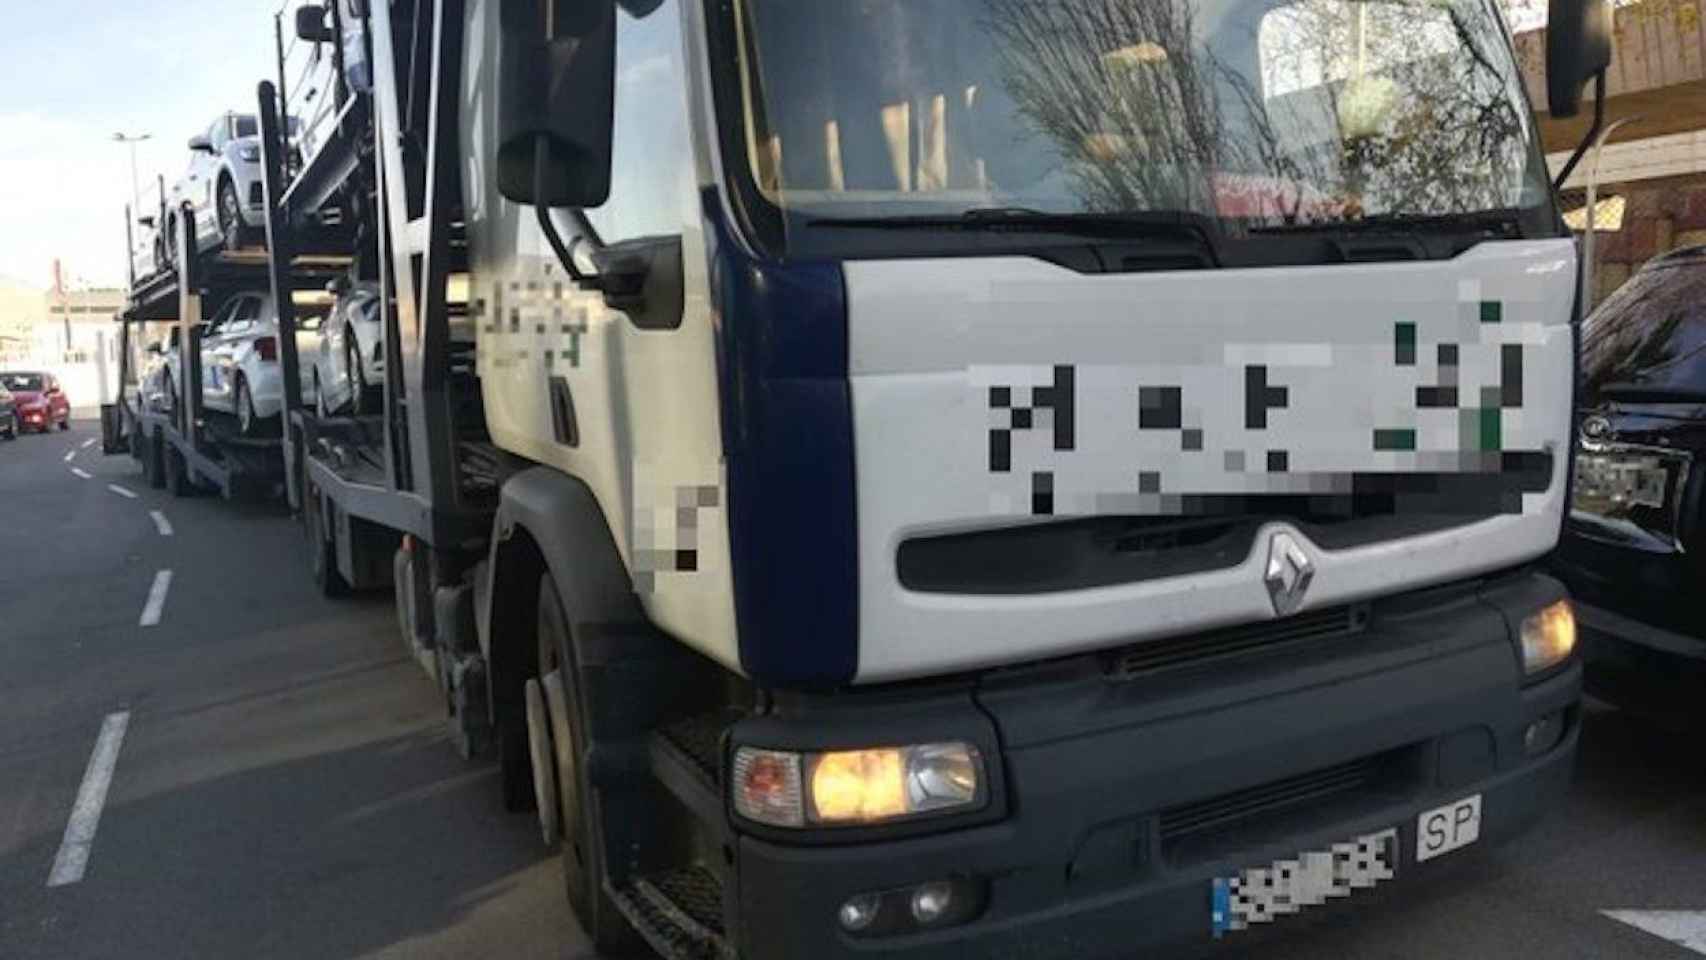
x=787 y=414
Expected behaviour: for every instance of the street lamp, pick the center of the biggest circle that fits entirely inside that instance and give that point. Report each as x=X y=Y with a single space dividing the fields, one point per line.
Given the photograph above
x=131 y=140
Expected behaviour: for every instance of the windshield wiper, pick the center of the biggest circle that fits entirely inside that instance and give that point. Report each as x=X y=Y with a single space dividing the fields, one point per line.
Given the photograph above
x=1506 y=222
x=1647 y=393
x=1194 y=228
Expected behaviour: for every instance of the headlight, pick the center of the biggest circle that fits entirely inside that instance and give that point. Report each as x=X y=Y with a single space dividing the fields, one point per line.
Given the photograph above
x=1548 y=637
x=249 y=153
x=1611 y=483
x=851 y=787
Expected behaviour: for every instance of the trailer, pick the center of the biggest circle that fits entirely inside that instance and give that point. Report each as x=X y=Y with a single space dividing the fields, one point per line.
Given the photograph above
x=779 y=532
x=181 y=445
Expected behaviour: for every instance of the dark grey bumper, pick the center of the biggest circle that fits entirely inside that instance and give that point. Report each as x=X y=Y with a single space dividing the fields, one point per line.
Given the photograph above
x=1085 y=859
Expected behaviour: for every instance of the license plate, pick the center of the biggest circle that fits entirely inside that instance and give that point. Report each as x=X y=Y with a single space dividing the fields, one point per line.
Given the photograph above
x=1451 y=827
x=1284 y=887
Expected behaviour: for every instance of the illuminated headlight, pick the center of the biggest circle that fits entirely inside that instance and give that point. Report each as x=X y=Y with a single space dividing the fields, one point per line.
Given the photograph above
x=1548 y=637
x=249 y=153
x=851 y=787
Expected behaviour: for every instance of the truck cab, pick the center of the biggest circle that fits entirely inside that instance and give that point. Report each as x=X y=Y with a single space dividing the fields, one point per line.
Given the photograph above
x=993 y=477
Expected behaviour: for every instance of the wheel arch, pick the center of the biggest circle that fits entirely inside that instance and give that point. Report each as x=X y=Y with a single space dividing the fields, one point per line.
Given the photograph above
x=549 y=522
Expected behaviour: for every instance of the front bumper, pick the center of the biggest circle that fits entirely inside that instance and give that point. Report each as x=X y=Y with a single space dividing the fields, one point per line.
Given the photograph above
x=1083 y=856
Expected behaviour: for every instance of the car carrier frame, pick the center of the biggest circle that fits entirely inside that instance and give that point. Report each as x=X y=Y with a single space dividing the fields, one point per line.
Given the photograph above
x=181 y=446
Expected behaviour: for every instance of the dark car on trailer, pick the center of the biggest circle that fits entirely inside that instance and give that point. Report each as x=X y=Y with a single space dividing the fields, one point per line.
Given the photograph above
x=1634 y=550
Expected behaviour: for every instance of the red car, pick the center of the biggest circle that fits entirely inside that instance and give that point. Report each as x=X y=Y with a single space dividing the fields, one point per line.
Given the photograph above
x=40 y=400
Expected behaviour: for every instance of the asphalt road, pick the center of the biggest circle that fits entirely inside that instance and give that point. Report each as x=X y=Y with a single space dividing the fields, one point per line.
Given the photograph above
x=284 y=788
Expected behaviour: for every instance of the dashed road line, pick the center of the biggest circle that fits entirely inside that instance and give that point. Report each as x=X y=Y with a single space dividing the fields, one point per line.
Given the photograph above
x=156 y=599
x=127 y=494
x=88 y=443
x=161 y=523
x=1685 y=928
x=69 y=454
x=73 y=858
x=82 y=473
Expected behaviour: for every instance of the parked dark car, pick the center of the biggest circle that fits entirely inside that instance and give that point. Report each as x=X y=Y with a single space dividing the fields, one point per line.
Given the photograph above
x=1634 y=550
x=41 y=401
x=8 y=414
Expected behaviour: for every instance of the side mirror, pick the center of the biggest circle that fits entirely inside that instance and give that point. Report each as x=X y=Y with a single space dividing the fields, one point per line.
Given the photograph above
x=556 y=101
x=1578 y=49
x=311 y=24
x=200 y=144
x=146 y=220
x=155 y=348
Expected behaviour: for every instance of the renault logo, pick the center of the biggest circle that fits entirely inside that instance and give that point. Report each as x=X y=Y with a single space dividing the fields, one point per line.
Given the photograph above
x=1288 y=573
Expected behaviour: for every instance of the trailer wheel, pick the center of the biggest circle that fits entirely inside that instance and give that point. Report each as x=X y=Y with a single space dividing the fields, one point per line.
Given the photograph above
x=175 y=475
x=579 y=814
x=152 y=454
x=322 y=561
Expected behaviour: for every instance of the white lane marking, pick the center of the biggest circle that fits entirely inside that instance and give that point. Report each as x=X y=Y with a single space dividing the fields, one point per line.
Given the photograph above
x=73 y=857
x=69 y=454
x=82 y=473
x=88 y=443
x=156 y=599
x=1685 y=928
x=128 y=495
x=161 y=523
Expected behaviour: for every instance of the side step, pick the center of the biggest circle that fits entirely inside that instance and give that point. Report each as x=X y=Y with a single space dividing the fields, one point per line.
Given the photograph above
x=679 y=913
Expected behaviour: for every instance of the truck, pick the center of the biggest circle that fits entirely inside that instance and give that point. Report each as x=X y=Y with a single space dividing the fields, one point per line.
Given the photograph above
x=978 y=478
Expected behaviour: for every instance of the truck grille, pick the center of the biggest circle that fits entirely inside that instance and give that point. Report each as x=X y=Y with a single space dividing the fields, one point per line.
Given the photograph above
x=1242 y=807
x=1247 y=639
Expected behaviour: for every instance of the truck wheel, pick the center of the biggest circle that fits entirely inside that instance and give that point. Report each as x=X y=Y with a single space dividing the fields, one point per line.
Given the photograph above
x=578 y=812
x=322 y=561
x=152 y=455
x=176 y=473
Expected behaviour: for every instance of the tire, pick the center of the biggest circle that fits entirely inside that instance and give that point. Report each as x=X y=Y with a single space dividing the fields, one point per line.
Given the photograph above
x=172 y=241
x=175 y=473
x=65 y=424
x=168 y=391
x=152 y=455
x=244 y=404
x=232 y=233
x=579 y=814
x=322 y=558
x=320 y=397
x=357 y=379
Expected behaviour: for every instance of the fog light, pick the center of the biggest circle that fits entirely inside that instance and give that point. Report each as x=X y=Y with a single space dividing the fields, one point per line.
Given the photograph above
x=1548 y=637
x=860 y=912
x=931 y=902
x=1543 y=734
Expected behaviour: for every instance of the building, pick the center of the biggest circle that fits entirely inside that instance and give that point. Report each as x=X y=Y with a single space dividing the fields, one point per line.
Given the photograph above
x=70 y=333
x=1652 y=181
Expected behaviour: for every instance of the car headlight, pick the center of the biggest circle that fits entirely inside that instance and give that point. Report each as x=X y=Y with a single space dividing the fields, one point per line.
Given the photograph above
x=249 y=153
x=854 y=787
x=1548 y=637
x=1613 y=481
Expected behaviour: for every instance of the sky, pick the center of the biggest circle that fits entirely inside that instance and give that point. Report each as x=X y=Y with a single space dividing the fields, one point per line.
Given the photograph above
x=80 y=70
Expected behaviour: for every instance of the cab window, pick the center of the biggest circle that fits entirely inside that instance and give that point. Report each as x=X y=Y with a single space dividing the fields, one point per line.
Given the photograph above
x=651 y=187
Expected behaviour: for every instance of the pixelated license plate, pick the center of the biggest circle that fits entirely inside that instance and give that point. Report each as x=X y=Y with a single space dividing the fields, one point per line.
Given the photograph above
x=1284 y=887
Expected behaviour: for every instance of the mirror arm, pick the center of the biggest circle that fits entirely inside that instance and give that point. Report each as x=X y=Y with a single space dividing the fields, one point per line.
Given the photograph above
x=1592 y=137
x=547 y=226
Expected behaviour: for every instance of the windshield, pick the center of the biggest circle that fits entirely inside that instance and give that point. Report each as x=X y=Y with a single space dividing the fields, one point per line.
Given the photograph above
x=244 y=125
x=25 y=382
x=1253 y=113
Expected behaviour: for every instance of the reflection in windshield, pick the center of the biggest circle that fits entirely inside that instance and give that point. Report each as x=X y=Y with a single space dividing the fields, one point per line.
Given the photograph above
x=24 y=382
x=1260 y=113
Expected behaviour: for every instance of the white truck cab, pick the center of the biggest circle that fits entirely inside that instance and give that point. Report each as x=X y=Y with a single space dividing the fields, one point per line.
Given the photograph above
x=1007 y=477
